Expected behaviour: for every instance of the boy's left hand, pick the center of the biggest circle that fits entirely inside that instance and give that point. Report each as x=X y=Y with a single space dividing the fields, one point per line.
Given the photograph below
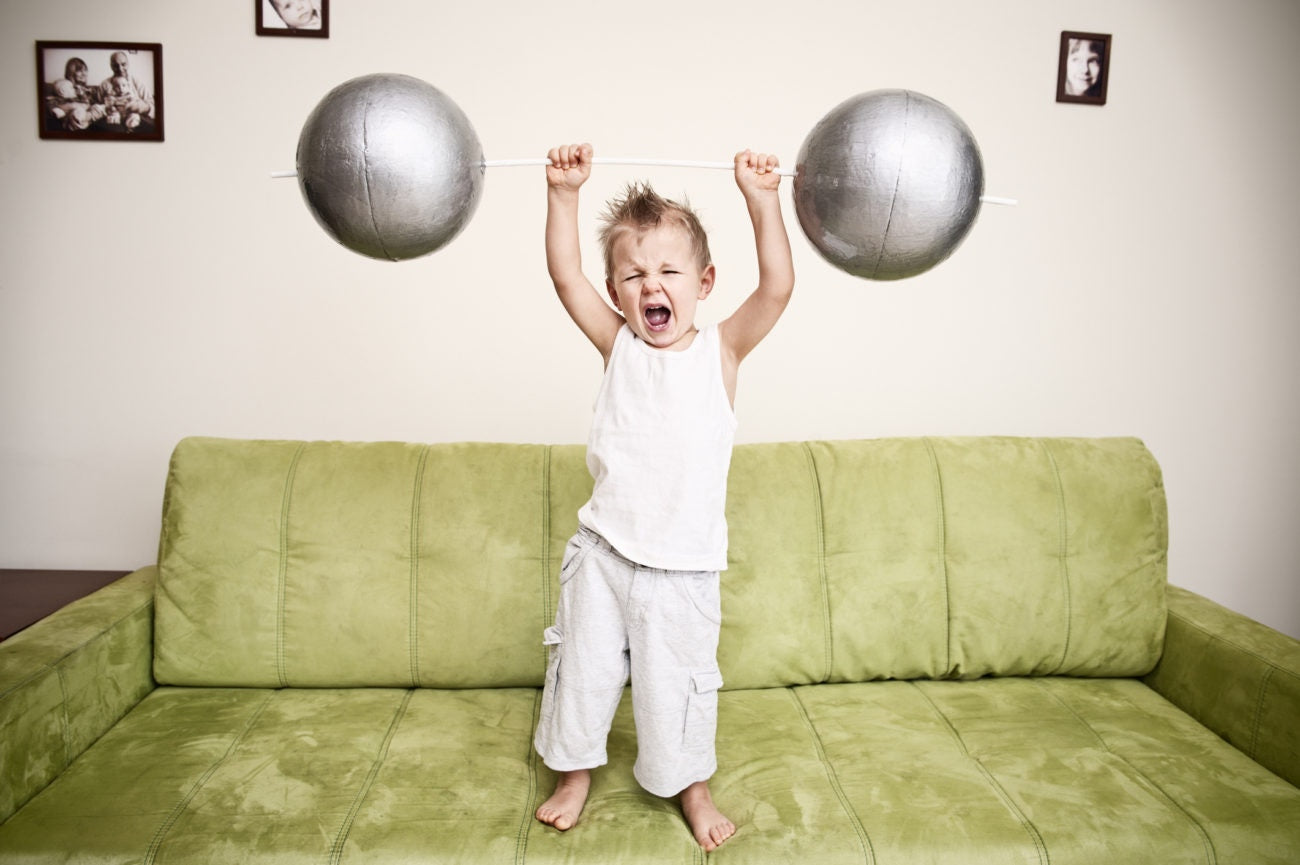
x=756 y=172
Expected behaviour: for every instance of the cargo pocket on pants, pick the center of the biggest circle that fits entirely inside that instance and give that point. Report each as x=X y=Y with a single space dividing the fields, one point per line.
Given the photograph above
x=702 y=711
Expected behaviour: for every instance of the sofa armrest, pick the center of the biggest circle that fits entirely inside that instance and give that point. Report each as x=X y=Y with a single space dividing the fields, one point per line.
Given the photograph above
x=1239 y=678
x=67 y=679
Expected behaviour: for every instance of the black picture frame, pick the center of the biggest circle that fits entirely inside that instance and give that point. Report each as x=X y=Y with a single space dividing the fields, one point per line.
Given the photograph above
x=84 y=91
x=271 y=23
x=1083 y=72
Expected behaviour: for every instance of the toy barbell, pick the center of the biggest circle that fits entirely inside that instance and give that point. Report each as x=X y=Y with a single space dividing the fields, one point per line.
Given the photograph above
x=886 y=185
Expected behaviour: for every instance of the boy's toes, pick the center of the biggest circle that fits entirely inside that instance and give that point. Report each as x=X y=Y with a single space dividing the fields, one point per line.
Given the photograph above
x=719 y=833
x=709 y=825
x=561 y=820
x=711 y=835
x=564 y=807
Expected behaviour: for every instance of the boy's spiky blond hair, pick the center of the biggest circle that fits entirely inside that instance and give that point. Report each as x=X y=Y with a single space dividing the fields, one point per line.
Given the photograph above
x=640 y=208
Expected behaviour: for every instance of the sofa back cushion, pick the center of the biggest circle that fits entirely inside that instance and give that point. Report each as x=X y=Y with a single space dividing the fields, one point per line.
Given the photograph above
x=943 y=558
x=329 y=564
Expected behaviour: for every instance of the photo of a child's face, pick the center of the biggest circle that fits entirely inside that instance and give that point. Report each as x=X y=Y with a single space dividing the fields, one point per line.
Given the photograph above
x=309 y=18
x=297 y=14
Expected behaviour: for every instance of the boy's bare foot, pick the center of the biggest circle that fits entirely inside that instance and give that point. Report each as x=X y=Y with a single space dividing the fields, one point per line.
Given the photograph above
x=706 y=821
x=565 y=805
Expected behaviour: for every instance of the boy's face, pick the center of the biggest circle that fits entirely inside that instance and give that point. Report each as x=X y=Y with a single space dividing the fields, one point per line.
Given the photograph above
x=294 y=13
x=656 y=283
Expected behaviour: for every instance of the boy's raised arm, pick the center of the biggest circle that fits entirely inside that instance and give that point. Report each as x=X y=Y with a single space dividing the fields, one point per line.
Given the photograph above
x=569 y=169
x=754 y=319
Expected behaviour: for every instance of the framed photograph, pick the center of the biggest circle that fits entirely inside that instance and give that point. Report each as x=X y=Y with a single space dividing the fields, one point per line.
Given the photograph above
x=1084 y=68
x=302 y=18
x=105 y=91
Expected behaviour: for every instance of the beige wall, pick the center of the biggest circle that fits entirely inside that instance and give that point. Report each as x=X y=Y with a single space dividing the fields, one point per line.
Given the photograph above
x=1146 y=285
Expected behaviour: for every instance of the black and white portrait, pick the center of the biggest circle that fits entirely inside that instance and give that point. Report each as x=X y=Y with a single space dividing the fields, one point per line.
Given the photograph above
x=1083 y=68
x=100 y=90
x=308 y=18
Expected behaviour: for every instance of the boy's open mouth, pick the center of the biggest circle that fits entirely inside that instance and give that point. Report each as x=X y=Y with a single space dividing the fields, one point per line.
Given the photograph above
x=657 y=317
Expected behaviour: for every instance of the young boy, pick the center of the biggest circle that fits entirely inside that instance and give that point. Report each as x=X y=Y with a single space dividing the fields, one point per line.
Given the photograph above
x=639 y=583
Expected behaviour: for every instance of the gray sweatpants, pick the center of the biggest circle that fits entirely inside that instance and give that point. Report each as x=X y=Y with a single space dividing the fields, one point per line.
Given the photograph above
x=616 y=618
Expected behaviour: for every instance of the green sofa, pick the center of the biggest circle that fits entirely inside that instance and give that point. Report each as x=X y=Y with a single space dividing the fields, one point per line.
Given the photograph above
x=935 y=651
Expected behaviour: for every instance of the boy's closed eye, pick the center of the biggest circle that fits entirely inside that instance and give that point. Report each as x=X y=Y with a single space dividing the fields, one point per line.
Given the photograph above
x=667 y=272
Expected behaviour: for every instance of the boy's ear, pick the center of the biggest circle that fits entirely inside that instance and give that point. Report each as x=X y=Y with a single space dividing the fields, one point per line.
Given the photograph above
x=613 y=295
x=706 y=281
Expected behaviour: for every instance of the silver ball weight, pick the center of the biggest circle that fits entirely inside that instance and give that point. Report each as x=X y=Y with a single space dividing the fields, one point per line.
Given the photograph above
x=390 y=166
x=888 y=184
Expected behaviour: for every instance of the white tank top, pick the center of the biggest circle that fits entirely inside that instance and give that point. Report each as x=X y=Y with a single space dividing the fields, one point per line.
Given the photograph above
x=659 y=451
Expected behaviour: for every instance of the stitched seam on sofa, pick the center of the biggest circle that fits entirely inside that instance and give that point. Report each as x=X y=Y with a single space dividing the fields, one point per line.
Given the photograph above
x=284 y=565
x=65 y=723
x=530 y=760
x=336 y=850
x=1259 y=713
x=54 y=665
x=1270 y=669
x=828 y=630
x=1063 y=552
x=868 y=851
x=1219 y=638
x=1007 y=802
x=547 y=610
x=63 y=691
x=170 y=820
x=1210 y=856
x=943 y=554
x=417 y=497
x=56 y=669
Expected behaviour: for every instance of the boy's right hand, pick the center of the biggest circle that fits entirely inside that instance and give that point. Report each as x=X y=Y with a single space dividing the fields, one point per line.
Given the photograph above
x=570 y=166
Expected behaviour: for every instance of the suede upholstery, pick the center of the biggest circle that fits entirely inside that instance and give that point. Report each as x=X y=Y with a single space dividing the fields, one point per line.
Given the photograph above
x=935 y=650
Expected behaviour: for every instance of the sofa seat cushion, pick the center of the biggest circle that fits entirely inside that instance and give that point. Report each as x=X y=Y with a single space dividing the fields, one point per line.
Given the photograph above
x=196 y=775
x=996 y=770
x=1032 y=770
